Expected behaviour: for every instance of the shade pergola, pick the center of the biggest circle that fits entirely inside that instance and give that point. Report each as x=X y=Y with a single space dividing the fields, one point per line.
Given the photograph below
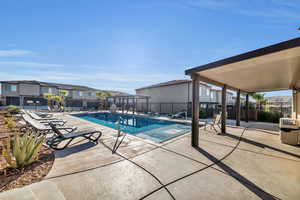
x=126 y=99
x=272 y=68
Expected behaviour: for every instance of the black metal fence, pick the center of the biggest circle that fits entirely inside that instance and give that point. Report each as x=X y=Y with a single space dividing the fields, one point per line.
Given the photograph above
x=266 y=112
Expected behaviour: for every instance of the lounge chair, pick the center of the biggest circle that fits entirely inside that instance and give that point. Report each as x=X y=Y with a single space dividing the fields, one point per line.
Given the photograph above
x=46 y=119
x=60 y=137
x=39 y=127
x=179 y=115
x=216 y=122
x=44 y=115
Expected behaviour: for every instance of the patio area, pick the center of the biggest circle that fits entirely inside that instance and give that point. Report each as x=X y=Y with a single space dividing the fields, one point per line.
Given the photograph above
x=244 y=163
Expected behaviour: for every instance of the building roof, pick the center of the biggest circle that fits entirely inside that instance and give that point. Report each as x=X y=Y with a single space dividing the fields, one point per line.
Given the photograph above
x=47 y=84
x=168 y=83
x=275 y=67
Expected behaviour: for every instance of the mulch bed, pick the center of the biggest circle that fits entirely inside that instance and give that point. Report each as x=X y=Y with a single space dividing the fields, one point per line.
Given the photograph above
x=14 y=178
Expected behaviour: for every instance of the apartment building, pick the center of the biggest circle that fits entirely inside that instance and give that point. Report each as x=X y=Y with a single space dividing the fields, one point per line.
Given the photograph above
x=179 y=93
x=30 y=93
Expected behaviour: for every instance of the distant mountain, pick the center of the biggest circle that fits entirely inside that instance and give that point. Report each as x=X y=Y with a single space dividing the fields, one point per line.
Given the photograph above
x=278 y=99
x=117 y=93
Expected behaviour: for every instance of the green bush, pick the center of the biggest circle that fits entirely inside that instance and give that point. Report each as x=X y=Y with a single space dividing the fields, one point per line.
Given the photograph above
x=272 y=117
x=22 y=150
x=202 y=114
x=13 y=109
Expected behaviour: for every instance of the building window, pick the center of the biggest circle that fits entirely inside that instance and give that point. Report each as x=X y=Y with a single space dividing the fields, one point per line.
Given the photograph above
x=90 y=94
x=207 y=92
x=50 y=90
x=212 y=95
x=11 y=88
x=80 y=93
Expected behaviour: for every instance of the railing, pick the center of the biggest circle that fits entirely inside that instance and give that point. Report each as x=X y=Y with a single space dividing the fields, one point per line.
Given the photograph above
x=117 y=143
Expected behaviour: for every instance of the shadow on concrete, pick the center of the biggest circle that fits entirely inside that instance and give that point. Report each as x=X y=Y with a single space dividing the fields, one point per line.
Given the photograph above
x=258 y=144
x=234 y=174
x=74 y=149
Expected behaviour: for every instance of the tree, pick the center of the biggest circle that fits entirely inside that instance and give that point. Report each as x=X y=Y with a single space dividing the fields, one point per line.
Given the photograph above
x=55 y=102
x=103 y=94
x=260 y=98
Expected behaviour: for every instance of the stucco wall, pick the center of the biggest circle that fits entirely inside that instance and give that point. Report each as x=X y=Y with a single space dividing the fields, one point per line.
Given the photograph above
x=28 y=89
x=84 y=95
x=46 y=90
x=167 y=94
x=174 y=93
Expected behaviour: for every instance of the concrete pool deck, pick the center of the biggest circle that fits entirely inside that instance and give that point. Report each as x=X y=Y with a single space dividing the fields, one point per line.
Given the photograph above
x=242 y=164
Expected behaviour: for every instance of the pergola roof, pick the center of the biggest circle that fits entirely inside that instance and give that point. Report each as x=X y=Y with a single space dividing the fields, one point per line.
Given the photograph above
x=276 y=67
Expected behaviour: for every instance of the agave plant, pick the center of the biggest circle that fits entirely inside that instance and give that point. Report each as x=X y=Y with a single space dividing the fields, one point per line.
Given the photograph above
x=22 y=150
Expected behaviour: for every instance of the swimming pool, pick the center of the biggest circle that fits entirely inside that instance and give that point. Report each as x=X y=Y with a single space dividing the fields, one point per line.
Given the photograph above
x=153 y=129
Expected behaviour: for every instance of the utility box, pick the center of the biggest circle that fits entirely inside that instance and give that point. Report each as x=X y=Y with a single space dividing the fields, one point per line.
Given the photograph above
x=289 y=131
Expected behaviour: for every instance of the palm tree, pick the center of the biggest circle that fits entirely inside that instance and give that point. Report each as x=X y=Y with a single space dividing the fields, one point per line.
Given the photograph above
x=56 y=102
x=260 y=98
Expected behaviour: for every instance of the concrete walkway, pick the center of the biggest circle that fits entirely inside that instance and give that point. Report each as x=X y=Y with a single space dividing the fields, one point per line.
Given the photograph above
x=242 y=164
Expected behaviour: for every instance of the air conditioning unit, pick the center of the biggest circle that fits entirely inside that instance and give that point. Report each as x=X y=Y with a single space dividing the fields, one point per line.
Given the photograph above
x=289 y=130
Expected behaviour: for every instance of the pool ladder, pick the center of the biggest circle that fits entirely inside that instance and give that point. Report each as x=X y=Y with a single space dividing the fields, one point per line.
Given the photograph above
x=117 y=143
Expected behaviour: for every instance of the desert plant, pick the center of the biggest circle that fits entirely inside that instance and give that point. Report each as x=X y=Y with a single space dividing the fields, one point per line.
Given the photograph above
x=11 y=124
x=21 y=151
x=13 y=109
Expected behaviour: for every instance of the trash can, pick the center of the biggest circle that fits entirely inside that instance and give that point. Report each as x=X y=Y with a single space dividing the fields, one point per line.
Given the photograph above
x=289 y=131
x=289 y=136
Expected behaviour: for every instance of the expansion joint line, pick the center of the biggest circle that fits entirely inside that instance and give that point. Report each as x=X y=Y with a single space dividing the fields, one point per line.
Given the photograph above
x=156 y=178
x=208 y=166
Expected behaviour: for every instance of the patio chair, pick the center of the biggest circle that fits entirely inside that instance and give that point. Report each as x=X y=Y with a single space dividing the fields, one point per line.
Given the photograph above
x=216 y=122
x=179 y=115
x=39 y=127
x=44 y=115
x=68 y=137
x=46 y=120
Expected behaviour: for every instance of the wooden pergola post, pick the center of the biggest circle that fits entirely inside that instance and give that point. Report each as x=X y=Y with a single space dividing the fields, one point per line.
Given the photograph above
x=247 y=108
x=224 y=109
x=238 y=108
x=195 y=111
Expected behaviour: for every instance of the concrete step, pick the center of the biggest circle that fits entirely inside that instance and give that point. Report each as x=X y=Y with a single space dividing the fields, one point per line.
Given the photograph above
x=45 y=190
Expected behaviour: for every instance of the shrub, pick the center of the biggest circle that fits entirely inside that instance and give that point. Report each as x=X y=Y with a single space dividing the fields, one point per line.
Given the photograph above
x=10 y=123
x=22 y=150
x=269 y=116
x=202 y=114
x=13 y=109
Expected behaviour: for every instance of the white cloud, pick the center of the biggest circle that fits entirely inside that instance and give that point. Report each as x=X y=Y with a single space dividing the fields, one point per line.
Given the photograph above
x=101 y=80
x=15 y=53
x=274 y=9
x=29 y=64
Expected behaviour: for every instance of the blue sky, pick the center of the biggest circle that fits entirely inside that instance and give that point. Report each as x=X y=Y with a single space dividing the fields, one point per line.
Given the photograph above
x=123 y=45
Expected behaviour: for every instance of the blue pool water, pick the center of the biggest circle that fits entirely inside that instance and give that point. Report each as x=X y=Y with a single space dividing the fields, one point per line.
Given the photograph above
x=153 y=129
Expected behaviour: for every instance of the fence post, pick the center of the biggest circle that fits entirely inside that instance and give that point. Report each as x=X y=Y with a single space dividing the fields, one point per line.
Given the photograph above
x=159 y=107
